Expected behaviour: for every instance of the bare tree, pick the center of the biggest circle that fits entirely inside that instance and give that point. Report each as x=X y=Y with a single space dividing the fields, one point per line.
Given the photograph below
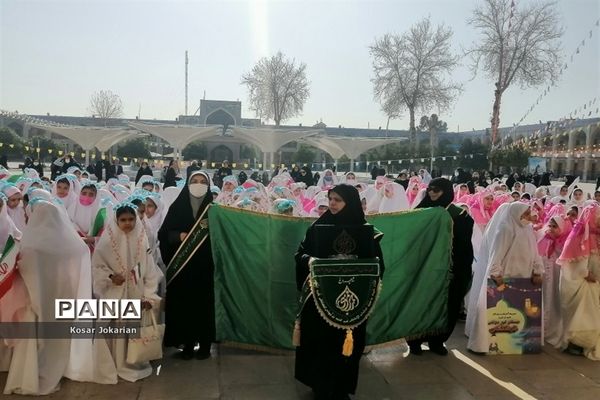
x=106 y=105
x=277 y=87
x=410 y=71
x=516 y=46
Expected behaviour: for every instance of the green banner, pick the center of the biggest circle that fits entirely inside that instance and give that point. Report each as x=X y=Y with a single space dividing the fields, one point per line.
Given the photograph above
x=255 y=290
x=344 y=290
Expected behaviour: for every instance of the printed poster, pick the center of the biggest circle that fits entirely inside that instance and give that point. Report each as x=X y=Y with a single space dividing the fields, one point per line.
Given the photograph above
x=514 y=317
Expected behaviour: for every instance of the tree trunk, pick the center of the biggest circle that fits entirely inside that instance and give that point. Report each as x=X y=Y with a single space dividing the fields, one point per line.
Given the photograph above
x=413 y=132
x=496 y=115
x=432 y=146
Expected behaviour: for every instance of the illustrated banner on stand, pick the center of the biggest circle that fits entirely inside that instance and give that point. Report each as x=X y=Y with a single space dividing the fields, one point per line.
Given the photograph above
x=514 y=317
x=537 y=164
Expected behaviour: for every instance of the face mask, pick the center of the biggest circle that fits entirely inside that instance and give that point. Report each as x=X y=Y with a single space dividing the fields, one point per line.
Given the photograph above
x=328 y=178
x=85 y=200
x=198 y=189
x=456 y=174
x=350 y=181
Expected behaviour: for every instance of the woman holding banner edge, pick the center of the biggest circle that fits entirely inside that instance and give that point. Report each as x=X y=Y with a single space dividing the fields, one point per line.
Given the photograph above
x=190 y=287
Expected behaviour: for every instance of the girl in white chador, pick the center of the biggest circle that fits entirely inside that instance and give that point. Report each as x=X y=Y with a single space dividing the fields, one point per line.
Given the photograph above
x=550 y=247
x=7 y=226
x=54 y=264
x=14 y=206
x=66 y=188
x=83 y=212
x=579 y=286
x=123 y=269
x=508 y=250
x=393 y=198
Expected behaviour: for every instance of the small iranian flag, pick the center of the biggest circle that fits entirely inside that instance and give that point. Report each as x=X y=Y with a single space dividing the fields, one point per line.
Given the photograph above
x=98 y=226
x=14 y=178
x=8 y=262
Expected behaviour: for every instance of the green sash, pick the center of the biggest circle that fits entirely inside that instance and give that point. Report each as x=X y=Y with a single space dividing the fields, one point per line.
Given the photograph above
x=189 y=246
x=344 y=290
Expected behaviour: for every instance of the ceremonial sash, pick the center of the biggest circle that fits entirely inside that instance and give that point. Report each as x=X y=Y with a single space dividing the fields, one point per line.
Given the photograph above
x=8 y=262
x=189 y=246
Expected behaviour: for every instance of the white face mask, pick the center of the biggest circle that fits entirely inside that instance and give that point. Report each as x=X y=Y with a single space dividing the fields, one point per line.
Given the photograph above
x=351 y=181
x=198 y=189
x=456 y=173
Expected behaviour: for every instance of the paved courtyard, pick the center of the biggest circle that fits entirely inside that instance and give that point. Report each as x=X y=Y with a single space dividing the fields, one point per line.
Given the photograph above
x=386 y=373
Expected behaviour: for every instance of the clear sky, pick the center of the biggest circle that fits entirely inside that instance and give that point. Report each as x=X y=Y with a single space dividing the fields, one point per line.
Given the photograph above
x=55 y=53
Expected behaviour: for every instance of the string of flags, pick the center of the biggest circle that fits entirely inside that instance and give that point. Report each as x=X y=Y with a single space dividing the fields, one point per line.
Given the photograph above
x=416 y=160
x=562 y=70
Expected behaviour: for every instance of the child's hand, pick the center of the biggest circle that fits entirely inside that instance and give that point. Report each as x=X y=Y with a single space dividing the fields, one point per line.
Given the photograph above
x=117 y=279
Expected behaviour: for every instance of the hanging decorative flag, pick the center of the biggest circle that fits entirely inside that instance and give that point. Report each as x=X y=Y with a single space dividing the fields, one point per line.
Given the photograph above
x=422 y=160
x=389 y=162
x=443 y=158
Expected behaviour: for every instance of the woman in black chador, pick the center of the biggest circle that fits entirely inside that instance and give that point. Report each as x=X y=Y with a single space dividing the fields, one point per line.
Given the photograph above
x=441 y=194
x=320 y=363
x=189 y=312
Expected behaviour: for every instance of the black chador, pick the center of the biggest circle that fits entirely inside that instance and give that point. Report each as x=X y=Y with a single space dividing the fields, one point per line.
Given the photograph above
x=320 y=363
x=189 y=302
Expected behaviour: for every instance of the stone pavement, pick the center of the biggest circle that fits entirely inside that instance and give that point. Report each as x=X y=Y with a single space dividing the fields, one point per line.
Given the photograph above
x=386 y=373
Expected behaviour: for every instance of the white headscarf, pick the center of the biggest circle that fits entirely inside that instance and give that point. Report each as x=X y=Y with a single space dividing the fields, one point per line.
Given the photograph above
x=169 y=195
x=74 y=190
x=83 y=216
x=7 y=226
x=127 y=254
x=155 y=222
x=393 y=199
x=326 y=183
x=17 y=214
x=55 y=264
x=508 y=249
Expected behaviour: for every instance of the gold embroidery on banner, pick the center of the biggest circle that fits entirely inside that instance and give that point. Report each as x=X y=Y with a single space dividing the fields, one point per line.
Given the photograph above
x=347 y=300
x=344 y=244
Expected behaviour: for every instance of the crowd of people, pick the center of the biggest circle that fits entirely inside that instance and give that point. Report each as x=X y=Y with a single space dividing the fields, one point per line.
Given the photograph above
x=119 y=235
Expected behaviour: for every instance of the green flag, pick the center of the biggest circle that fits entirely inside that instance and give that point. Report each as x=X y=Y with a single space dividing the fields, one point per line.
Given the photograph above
x=14 y=178
x=255 y=290
x=98 y=222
